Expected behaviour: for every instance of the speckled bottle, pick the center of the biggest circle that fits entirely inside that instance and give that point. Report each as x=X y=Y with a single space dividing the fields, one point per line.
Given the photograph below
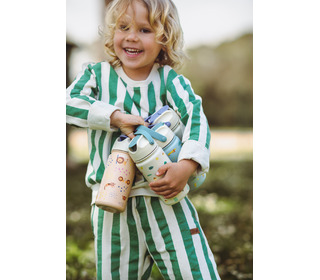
x=149 y=157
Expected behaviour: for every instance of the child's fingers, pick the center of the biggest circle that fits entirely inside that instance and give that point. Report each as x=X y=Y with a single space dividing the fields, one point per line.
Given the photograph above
x=128 y=119
x=164 y=191
x=159 y=188
x=167 y=194
x=138 y=120
x=171 y=195
x=160 y=183
x=130 y=135
x=163 y=169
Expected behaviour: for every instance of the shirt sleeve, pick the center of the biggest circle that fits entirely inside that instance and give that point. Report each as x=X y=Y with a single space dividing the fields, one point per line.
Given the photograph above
x=196 y=136
x=83 y=109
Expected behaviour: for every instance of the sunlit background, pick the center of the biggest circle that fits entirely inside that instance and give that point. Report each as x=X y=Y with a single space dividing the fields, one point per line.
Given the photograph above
x=218 y=40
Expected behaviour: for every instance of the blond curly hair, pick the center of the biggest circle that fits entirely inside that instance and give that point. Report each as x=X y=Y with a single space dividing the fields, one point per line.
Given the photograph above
x=163 y=18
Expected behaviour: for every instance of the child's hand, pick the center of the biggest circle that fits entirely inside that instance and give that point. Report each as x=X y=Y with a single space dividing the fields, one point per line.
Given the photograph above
x=126 y=122
x=175 y=178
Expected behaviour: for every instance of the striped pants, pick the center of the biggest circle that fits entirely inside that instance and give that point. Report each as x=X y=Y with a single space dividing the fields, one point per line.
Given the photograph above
x=127 y=244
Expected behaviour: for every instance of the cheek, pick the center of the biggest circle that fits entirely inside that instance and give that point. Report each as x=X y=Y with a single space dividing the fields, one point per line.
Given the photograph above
x=117 y=41
x=154 y=47
x=157 y=50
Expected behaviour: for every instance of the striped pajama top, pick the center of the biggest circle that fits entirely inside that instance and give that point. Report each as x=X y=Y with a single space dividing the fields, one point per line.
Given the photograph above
x=99 y=90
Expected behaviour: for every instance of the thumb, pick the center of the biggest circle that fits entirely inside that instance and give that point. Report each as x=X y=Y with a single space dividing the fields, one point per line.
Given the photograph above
x=163 y=169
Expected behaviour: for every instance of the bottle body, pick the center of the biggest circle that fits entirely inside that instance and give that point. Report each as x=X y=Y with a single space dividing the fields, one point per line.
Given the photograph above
x=117 y=180
x=195 y=181
x=148 y=165
x=172 y=147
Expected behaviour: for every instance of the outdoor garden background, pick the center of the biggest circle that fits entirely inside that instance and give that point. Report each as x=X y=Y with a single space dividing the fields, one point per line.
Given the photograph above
x=222 y=76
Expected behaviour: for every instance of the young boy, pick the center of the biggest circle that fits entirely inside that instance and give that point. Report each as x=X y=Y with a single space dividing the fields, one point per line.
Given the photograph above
x=143 y=40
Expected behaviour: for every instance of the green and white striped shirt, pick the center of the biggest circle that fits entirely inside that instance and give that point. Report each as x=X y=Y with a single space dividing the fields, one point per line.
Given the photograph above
x=99 y=90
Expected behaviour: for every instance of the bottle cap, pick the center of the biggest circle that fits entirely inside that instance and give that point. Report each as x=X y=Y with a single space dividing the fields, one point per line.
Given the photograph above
x=165 y=131
x=141 y=149
x=121 y=144
x=168 y=116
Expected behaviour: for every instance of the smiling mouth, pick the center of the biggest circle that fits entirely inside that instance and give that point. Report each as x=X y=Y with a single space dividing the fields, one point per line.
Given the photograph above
x=132 y=51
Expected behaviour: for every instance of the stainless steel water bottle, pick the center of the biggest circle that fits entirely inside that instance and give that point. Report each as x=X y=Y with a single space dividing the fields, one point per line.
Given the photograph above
x=117 y=179
x=149 y=157
x=172 y=145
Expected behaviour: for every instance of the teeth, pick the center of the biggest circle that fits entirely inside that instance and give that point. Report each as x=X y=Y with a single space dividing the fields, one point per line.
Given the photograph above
x=135 y=51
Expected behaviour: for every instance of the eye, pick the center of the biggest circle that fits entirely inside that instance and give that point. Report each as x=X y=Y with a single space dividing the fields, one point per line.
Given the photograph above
x=123 y=27
x=146 y=30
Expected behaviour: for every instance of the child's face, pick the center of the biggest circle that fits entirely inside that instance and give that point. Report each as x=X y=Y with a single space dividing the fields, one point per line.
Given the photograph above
x=135 y=42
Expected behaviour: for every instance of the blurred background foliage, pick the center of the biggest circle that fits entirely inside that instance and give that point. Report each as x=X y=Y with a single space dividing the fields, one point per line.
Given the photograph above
x=222 y=76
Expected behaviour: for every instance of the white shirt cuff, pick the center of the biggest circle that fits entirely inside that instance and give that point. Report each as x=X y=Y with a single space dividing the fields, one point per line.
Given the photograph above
x=99 y=116
x=194 y=150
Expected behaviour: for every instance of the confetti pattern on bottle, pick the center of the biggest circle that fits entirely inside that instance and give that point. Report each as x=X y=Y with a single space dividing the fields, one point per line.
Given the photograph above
x=116 y=182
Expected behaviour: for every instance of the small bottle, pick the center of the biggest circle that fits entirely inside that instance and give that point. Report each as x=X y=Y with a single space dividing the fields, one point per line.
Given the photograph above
x=149 y=157
x=117 y=179
x=167 y=115
x=172 y=145
x=195 y=181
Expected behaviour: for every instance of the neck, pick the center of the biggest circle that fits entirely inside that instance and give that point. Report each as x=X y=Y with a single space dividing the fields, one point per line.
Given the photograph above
x=138 y=74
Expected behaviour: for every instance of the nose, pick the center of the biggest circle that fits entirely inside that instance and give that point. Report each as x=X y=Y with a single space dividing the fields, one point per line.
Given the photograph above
x=132 y=35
